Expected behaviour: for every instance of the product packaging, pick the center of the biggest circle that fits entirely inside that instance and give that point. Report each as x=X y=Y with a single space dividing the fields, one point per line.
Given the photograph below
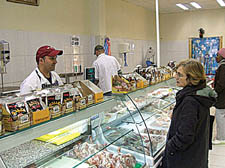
x=37 y=109
x=53 y=101
x=15 y=114
x=67 y=99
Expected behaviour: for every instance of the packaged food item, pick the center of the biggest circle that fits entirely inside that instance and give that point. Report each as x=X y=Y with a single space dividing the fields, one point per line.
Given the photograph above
x=37 y=109
x=67 y=99
x=103 y=158
x=2 y=129
x=91 y=88
x=85 y=91
x=80 y=100
x=121 y=85
x=15 y=114
x=137 y=80
x=53 y=101
x=34 y=103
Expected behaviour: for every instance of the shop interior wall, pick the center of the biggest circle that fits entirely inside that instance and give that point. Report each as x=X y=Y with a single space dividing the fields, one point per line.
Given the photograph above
x=129 y=23
x=28 y=27
x=54 y=22
x=176 y=28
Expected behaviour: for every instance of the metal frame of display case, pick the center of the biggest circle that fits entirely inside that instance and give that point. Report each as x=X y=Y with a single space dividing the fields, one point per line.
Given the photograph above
x=155 y=159
x=18 y=138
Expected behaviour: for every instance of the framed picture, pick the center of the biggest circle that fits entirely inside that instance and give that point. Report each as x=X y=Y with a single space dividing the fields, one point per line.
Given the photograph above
x=205 y=50
x=27 y=2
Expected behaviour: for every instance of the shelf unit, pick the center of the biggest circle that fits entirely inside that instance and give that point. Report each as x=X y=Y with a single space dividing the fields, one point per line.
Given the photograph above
x=15 y=139
x=18 y=138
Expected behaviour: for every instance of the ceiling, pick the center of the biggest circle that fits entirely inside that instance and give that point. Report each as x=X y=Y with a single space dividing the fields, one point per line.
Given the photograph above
x=169 y=6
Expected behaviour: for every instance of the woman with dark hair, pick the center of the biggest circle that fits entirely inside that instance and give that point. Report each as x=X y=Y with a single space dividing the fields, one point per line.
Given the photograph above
x=187 y=142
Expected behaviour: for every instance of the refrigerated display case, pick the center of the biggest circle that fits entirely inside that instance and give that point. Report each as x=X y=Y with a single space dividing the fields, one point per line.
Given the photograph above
x=127 y=130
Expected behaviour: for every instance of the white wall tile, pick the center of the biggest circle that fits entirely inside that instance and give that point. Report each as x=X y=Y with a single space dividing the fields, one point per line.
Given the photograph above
x=25 y=44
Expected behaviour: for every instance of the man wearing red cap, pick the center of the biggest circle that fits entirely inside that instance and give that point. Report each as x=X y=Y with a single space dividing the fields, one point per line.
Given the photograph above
x=44 y=75
x=219 y=86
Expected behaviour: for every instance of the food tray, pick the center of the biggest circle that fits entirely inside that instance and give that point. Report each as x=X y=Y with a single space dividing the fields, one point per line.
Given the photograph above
x=137 y=118
x=160 y=104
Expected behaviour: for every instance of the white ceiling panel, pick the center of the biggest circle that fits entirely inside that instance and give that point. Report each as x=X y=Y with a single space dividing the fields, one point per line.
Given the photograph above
x=169 y=6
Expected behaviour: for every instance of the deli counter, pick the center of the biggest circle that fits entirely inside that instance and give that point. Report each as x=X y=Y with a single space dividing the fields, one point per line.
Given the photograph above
x=125 y=130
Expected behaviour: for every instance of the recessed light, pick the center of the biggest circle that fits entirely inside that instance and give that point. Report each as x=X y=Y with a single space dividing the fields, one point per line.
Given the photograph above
x=182 y=6
x=221 y=2
x=196 y=5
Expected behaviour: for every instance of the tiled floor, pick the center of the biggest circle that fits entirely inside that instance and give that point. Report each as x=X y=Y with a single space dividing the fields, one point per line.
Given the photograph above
x=217 y=157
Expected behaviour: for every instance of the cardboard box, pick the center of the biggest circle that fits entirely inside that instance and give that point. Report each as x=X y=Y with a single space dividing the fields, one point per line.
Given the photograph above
x=90 y=91
x=80 y=102
x=15 y=122
x=37 y=110
x=91 y=88
x=87 y=94
x=67 y=101
x=40 y=116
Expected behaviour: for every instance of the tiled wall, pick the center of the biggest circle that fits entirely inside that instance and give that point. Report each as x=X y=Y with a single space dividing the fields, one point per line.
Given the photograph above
x=23 y=46
x=174 y=50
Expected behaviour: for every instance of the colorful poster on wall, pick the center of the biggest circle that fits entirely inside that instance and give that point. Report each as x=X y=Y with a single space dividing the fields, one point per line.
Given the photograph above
x=205 y=51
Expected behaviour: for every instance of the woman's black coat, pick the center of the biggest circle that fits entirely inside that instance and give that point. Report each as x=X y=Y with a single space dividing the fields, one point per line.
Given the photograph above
x=188 y=137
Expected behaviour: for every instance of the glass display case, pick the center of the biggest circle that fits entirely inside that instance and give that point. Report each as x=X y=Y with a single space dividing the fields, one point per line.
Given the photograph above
x=127 y=131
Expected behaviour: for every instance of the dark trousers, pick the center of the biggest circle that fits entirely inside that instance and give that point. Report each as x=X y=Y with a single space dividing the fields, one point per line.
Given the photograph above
x=212 y=118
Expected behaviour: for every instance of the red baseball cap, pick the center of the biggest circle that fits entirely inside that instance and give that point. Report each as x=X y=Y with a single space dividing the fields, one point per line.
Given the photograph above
x=47 y=51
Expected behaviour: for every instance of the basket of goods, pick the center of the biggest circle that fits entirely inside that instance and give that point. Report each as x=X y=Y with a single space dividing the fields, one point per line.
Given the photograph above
x=15 y=114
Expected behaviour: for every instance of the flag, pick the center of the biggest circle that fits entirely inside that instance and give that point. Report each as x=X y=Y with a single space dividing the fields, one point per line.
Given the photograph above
x=107 y=46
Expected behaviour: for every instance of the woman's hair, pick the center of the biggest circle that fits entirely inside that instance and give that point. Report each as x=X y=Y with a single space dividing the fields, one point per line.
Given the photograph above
x=194 y=70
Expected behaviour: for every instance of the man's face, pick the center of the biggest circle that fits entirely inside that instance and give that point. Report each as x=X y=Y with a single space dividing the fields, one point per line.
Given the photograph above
x=49 y=63
x=97 y=53
x=218 y=58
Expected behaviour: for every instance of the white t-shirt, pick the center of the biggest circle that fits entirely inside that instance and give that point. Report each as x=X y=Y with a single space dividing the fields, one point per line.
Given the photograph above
x=37 y=81
x=106 y=67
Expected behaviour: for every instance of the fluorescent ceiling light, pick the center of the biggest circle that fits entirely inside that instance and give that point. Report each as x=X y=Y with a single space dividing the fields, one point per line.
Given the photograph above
x=182 y=6
x=221 y=2
x=196 y=5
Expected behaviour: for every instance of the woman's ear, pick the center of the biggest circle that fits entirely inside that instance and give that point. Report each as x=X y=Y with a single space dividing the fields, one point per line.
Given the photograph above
x=188 y=79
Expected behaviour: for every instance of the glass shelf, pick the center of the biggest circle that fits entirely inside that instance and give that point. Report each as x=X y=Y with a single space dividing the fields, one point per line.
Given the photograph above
x=133 y=124
x=13 y=139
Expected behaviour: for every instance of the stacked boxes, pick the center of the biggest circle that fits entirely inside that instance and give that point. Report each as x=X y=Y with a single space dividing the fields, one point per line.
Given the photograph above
x=20 y=112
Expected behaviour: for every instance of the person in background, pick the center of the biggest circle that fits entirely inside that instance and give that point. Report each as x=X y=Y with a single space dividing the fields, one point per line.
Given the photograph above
x=105 y=67
x=219 y=86
x=187 y=142
x=44 y=75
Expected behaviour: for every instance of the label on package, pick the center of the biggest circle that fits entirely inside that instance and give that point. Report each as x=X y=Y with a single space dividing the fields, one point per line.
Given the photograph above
x=34 y=105
x=17 y=109
x=69 y=104
x=90 y=97
x=24 y=118
x=83 y=102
